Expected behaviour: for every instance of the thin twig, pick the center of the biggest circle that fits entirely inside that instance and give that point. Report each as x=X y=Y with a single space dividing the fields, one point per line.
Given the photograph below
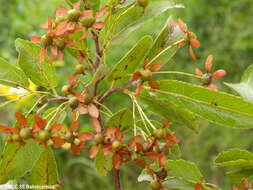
x=95 y=38
x=51 y=100
x=112 y=90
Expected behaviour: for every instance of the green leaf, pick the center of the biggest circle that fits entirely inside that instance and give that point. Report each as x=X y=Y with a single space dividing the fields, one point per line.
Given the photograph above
x=99 y=74
x=175 y=151
x=162 y=49
x=100 y=162
x=17 y=160
x=93 y=4
x=123 y=118
x=77 y=49
x=235 y=158
x=144 y=176
x=238 y=175
x=186 y=175
x=42 y=74
x=171 y=111
x=245 y=87
x=45 y=170
x=61 y=114
x=217 y=107
x=184 y=169
x=132 y=60
x=12 y=76
x=131 y=17
x=179 y=184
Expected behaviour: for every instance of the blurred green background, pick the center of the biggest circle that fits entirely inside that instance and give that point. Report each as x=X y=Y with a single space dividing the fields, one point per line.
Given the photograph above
x=224 y=28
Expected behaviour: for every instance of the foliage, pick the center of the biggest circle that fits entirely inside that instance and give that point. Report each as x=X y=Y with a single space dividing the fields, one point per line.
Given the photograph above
x=88 y=31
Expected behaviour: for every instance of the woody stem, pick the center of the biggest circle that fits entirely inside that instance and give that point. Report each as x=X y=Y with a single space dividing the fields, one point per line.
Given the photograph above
x=116 y=174
x=120 y=88
x=99 y=53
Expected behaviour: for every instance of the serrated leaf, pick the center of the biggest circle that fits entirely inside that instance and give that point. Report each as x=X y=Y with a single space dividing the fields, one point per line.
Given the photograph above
x=245 y=87
x=100 y=162
x=123 y=118
x=131 y=17
x=171 y=111
x=42 y=74
x=131 y=60
x=184 y=169
x=11 y=75
x=17 y=160
x=235 y=158
x=45 y=170
x=162 y=49
x=217 y=107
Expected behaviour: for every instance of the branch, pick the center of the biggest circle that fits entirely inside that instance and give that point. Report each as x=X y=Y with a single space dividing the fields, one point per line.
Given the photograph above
x=116 y=179
x=99 y=53
x=121 y=88
x=51 y=100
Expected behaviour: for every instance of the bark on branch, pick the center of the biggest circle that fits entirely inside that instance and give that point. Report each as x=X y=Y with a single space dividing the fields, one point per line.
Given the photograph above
x=121 y=88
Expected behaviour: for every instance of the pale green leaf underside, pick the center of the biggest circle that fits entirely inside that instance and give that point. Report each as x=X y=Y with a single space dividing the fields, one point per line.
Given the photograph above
x=245 y=87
